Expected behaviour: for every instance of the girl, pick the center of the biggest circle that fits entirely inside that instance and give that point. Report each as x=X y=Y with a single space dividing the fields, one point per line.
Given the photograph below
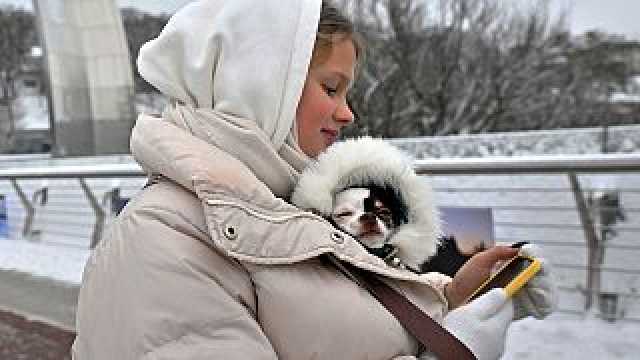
x=210 y=260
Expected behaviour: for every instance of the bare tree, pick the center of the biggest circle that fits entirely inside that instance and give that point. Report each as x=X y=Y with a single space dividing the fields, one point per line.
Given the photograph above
x=464 y=66
x=141 y=27
x=17 y=37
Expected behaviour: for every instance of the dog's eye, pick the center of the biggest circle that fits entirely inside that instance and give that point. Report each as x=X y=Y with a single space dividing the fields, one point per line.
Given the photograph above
x=384 y=214
x=344 y=214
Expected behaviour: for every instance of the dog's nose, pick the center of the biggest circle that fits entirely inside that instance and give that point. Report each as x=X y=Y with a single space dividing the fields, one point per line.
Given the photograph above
x=367 y=218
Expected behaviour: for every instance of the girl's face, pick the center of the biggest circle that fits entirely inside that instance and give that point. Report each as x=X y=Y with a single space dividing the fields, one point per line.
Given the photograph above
x=323 y=111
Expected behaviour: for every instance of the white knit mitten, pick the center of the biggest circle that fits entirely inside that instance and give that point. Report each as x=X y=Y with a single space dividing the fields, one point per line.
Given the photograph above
x=538 y=297
x=482 y=324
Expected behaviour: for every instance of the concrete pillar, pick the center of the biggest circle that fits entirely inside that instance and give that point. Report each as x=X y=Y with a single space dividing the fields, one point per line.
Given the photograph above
x=90 y=76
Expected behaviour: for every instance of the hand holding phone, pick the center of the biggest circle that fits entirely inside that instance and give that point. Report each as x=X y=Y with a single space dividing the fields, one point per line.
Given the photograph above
x=475 y=272
x=511 y=276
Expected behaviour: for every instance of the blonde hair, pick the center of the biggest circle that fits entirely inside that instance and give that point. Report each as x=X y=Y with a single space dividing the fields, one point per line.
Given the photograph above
x=333 y=28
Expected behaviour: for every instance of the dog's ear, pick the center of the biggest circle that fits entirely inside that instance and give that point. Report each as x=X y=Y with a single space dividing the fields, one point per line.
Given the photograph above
x=393 y=200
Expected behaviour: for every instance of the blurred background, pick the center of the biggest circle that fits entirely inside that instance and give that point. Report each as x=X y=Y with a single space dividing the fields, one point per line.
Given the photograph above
x=525 y=110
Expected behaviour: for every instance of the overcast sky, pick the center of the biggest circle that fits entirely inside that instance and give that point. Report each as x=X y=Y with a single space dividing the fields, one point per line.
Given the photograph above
x=614 y=16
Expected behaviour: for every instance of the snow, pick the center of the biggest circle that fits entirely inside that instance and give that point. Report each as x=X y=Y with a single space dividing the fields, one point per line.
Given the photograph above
x=44 y=260
x=563 y=142
x=559 y=337
x=70 y=171
x=568 y=337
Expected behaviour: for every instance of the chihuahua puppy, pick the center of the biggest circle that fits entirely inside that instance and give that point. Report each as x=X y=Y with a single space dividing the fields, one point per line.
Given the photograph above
x=371 y=176
x=371 y=215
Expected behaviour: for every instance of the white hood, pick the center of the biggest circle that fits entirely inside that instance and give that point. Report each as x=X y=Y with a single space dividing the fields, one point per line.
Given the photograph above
x=243 y=58
x=235 y=70
x=364 y=161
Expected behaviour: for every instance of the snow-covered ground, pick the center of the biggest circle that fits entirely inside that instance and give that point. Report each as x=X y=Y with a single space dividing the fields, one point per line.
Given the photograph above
x=560 y=337
x=567 y=337
x=53 y=261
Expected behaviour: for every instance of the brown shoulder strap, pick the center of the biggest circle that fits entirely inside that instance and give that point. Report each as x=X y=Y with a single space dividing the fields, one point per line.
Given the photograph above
x=428 y=332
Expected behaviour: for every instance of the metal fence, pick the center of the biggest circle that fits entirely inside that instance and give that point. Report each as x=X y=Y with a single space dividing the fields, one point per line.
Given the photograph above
x=582 y=210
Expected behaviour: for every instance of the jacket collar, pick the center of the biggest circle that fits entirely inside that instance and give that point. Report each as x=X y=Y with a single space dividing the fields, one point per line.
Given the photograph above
x=163 y=148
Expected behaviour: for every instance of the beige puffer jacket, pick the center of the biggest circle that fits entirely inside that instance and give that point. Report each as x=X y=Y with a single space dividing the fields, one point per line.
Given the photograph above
x=226 y=270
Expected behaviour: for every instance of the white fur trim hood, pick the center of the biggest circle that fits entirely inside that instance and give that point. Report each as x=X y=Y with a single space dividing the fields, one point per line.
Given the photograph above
x=364 y=161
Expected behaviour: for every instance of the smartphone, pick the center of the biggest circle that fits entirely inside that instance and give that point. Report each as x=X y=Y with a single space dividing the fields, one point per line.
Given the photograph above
x=512 y=276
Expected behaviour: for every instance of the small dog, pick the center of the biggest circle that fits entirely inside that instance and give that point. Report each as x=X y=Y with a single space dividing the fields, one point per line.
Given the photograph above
x=371 y=215
x=404 y=239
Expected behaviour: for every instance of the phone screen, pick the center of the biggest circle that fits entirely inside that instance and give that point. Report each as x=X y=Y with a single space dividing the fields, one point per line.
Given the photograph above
x=505 y=275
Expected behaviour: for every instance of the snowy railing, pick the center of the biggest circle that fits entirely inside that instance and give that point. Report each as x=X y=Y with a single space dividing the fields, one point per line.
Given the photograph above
x=604 y=163
x=557 y=202
x=73 y=171
x=101 y=206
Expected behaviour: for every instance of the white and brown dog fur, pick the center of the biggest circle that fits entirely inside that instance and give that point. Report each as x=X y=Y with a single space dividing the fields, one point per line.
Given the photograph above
x=371 y=215
x=346 y=173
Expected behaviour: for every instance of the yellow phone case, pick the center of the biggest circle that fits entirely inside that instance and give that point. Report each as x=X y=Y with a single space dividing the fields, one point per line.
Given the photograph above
x=517 y=282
